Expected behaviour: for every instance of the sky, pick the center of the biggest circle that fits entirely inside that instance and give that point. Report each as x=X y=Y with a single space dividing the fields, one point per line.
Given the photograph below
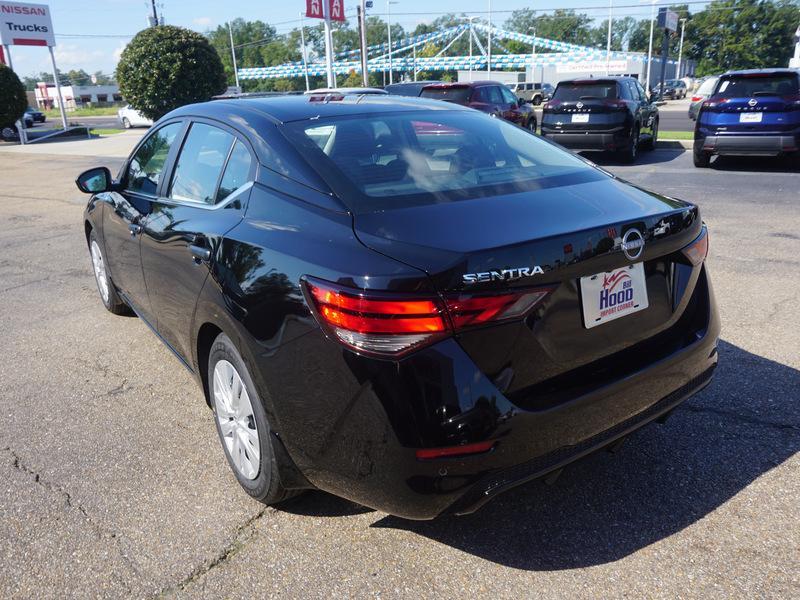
x=90 y=34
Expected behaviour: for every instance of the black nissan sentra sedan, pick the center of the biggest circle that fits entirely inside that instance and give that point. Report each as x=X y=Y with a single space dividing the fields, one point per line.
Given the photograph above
x=403 y=302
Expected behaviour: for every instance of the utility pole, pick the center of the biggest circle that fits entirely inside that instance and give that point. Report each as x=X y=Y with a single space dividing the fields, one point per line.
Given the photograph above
x=233 y=56
x=303 y=48
x=489 y=42
x=680 y=49
x=362 y=37
x=608 y=44
x=794 y=62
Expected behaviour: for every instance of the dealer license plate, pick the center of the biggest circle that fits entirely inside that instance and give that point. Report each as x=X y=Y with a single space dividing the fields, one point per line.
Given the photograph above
x=754 y=117
x=609 y=296
x=580 y=118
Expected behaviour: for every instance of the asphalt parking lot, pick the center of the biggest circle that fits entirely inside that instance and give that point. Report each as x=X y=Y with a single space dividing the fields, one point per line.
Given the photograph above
x=113 y=483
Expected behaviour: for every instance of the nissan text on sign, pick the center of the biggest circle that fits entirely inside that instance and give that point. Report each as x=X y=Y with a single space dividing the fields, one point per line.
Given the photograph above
x=25 y=24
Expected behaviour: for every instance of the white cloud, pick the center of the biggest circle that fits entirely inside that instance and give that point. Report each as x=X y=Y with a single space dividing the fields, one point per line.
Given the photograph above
x=71 y=56
x=203 y=21
x=118 y=51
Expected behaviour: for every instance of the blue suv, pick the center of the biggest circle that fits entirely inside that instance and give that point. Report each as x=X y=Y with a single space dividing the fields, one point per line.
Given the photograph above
x=754 y=112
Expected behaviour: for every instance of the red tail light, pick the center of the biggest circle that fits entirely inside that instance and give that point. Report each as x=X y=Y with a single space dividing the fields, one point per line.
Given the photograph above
x=615 y=104
x=552 y=104
x=697 y=251
x=394 y=324
x=697 y=98
x=452 y=451
x=714 y=103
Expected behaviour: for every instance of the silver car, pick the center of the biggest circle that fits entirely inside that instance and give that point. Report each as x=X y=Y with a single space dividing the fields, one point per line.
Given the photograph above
x=701 y=95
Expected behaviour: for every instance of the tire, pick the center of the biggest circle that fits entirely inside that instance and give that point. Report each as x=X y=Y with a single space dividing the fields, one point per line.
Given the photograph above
x=702 y=159
x=537 y=100
x=651 y=143
x=239 y=412
x=628 y=156
x=105 y=287
x=531 y=126
x=126 y=123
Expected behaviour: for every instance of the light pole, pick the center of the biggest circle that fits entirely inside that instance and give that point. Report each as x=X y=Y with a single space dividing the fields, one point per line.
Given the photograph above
x=471 y=66
x=533 y=51
x=233 y=56
x=303 y=50
x=608 y=44
x=489 y=42
x=680 y=49
x=389 y=33
x=650 y=47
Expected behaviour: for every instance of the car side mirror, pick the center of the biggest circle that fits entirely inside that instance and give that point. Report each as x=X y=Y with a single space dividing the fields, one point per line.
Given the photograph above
x=95 y=181
x=521 y=101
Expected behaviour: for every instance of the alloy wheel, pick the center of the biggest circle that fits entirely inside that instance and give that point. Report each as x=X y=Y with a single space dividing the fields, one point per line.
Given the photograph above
x=99 y=267
x=237 y=424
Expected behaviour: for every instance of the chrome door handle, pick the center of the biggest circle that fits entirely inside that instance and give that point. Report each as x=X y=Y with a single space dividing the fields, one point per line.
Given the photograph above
x=134 y=229
x=200 y=253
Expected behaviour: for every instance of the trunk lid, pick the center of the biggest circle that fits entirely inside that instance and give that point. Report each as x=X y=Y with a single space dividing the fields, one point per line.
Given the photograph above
x=569 y=232
x=585 y=105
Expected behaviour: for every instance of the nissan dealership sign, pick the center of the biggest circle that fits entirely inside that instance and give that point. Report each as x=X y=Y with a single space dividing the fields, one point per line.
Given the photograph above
x=25 y=24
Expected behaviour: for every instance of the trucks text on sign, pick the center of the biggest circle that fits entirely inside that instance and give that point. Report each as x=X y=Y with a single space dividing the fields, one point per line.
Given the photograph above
x=25 y=24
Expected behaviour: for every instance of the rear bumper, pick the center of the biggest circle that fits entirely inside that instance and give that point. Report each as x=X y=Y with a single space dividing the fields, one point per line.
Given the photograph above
x=764 y=145
x=614 y=139
x=355 y=428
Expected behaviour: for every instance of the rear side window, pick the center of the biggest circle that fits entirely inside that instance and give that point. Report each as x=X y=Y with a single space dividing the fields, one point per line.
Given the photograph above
x=747 y=86
x=200 y=164
x=571 y=91
x=459 y=95
x=146 y=166
x=236 y=171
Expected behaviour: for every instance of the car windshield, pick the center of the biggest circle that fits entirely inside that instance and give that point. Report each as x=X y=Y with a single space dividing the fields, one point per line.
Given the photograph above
x=395 y=160
x=747 y=86
x=459 y=95
x=567 y=92
x=672 y=82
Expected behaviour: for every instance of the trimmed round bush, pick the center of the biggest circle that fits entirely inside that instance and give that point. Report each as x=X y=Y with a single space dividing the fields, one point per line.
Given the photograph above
x=13 y=100
x=165 y=67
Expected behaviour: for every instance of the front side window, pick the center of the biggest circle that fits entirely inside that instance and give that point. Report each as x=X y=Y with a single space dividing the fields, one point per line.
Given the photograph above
x=200 y=164
x=420 y=158
x=146 y=166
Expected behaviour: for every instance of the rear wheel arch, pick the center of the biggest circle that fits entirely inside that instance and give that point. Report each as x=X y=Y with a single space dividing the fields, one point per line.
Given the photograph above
x=206 y=335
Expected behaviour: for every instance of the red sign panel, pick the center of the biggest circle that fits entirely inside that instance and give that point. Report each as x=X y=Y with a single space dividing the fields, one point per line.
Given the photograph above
x=336 y=10
x=314 y=9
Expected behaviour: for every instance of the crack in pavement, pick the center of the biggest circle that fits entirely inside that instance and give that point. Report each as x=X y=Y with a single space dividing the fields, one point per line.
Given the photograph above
x=243 y=534
x=100 y=531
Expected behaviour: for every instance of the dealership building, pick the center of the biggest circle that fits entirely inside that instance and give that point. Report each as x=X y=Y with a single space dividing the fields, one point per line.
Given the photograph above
x=76 y=96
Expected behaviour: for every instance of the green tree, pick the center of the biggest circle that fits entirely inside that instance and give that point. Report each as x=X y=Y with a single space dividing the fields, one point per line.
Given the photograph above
x=13 y=100
x=564 y=25
x=742 y=34
x=165 y=67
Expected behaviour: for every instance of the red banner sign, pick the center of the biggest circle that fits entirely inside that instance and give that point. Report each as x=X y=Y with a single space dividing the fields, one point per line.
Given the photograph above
x=314 y=9
x=336 y=10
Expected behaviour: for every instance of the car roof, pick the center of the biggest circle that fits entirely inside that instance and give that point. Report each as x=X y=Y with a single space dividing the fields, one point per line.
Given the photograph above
x=608 y=79
x=412 y=83
x=284 y=109
x=775 y=71
x=346 y=91
x=465 y=84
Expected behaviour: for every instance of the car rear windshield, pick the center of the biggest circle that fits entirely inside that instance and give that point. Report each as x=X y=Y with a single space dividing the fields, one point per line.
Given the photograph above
x=376 y=162
x=747 y=86
x=459 y=95
x=567 y=92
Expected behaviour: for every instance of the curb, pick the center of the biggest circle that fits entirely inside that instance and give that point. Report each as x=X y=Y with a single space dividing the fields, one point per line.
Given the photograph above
x=675 y=144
